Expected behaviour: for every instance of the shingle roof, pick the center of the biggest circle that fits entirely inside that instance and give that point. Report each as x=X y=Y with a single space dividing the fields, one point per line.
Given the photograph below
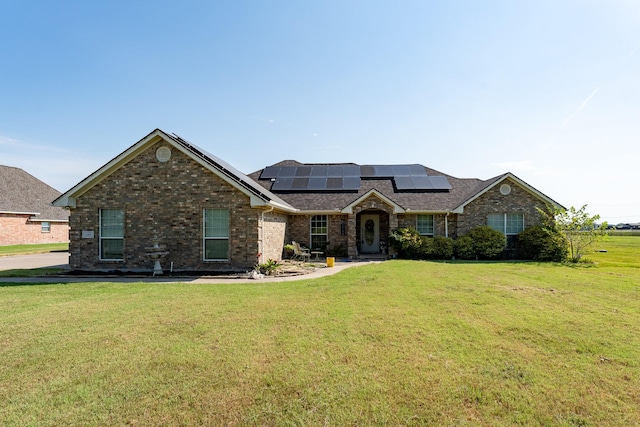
x=24 y=193
x=428 y=201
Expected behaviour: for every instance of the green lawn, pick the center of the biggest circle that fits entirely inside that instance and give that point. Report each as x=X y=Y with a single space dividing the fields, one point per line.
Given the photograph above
x=33 y=249
x=397 y=343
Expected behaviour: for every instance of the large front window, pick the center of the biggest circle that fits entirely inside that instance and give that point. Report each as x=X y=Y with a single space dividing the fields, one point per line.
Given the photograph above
x=319 y=231
x=424 y=225
x=216 y=234
x=111 y=234
x=508 y=224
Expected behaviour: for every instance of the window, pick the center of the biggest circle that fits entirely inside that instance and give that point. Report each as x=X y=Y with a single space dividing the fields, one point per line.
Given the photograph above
x=319 y=231
x=508 y=224
x=112 y=234
x=424 y=224
x=45 y=226
x=216 y=234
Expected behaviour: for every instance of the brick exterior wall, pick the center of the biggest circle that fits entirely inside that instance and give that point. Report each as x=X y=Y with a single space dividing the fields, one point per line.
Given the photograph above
x=299 y=230
x=18 y=230
x=518 y=201
x=166 y=200
x=439 y=228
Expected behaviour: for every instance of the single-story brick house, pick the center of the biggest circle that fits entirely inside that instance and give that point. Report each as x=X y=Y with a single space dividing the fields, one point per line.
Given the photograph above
x=210 y=216
x=26 y=213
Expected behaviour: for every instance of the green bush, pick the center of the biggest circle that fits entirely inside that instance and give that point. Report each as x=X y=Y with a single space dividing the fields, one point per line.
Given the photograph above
x=441 y=248
x=408 y=242
x=463 y=248
x=539 y=244
x=487 y=242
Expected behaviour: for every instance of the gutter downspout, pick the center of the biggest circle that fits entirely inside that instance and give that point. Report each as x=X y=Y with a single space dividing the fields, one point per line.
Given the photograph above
x=261 y=260
x=446 y=225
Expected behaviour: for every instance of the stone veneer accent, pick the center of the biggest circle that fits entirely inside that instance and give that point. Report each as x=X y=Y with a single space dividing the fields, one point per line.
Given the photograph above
x=167 y=200
x=272 y=234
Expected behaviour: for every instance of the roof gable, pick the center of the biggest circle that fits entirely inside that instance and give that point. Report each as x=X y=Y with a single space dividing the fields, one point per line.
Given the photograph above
x=396 y=208
x=258 y=195
x=498 y=180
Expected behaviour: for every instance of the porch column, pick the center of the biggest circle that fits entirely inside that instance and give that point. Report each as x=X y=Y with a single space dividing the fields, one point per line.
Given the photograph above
x=351 y=236
x=393 y=221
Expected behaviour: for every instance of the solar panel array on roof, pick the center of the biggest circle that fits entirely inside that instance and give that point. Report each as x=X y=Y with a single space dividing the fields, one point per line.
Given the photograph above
x=336 y=178
x=421 y=182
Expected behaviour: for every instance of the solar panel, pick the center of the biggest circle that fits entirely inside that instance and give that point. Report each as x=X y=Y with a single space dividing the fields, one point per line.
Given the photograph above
x=404 y=183
x=422 y=183
x=352 y=170
x=286 y=171
x=303 y=171
x=417 y=170
x=335 y=171
x=317 y=183
x=270 y=172
x=318 y=171
x=440 y=182
x=300 y=183
x=367 y=171
x=334 y=183
x=282 y=184
x=383 y=171
x=347 y=177
x=351 y=183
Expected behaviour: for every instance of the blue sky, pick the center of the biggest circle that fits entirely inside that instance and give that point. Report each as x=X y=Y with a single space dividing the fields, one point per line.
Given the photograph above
x=548 y=90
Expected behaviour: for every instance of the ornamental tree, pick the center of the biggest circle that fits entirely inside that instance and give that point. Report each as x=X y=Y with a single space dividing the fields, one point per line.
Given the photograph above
x=578 y=227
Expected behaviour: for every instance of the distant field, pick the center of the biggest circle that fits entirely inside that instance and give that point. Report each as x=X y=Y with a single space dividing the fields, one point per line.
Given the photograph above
x=397 y=343
x=33 y=249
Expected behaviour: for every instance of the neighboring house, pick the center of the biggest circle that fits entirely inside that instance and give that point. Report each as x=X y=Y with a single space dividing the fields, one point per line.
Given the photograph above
x=26 y=213
x=210 y=216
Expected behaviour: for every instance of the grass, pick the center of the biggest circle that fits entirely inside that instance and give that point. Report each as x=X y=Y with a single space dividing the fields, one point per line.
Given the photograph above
x=30 y=272
x=397 y=343
x=33 y=249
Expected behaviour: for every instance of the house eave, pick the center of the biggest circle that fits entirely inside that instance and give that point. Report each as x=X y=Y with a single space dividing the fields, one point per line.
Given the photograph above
x=19 y=213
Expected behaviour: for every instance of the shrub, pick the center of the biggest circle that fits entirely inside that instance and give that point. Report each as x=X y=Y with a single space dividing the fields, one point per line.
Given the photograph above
x=541 y=244
x=441 y=248
x=407 y=241
x=487 y=242
x=463 y=248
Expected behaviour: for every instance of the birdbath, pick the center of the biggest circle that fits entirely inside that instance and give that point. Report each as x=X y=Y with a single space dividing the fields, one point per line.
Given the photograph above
x=156 y=253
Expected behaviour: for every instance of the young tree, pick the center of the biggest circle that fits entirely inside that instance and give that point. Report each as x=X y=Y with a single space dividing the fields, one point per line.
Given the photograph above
x=577 y=226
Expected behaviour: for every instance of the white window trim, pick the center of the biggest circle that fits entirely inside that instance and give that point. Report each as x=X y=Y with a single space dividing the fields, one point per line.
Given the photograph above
x=311 y=233
x=433 y=224
x=205 y=238
x=504 y=223
x=101 y=238
x=46 y=229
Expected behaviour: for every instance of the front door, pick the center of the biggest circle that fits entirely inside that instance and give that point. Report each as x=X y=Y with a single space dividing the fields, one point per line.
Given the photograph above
x=369 y=233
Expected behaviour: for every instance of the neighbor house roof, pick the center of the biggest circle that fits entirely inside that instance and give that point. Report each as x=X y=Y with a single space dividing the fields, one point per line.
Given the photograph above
x=259 y=195
x=22 y=193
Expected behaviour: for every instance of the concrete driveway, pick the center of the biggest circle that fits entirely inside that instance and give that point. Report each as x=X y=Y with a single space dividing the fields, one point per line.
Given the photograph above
x=50 y=259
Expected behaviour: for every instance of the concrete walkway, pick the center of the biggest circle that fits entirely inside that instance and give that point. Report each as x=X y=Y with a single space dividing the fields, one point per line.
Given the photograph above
x=61 y=260
x=49 y=259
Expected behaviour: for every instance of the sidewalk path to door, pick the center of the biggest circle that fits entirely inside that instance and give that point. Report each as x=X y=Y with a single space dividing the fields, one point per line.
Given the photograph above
x=61 y=260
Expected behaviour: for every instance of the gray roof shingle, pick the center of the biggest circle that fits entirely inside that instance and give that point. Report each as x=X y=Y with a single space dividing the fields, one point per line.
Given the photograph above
x=24 y=193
